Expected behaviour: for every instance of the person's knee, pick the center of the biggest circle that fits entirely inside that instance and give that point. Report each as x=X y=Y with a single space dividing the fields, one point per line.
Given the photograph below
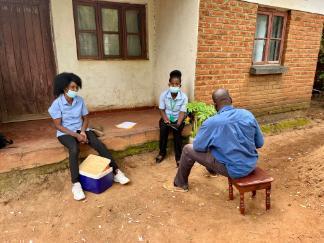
x=95 y=142
x=92 y=137
x=187 y=149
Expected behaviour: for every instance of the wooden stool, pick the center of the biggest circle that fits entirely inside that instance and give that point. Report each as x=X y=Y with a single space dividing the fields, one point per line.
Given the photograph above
x=257 y=180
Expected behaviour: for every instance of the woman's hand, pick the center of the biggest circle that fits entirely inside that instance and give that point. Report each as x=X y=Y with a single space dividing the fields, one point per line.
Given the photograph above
x=85 y=136
x=166 y=121
x=164 y=117
x=81 y=138
x=181 y=117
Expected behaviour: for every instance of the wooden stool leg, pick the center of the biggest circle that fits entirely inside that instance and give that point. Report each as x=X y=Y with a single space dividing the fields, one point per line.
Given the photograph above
x=268 y=192
x=253 y=193
x=242 y=208
x=230 y=189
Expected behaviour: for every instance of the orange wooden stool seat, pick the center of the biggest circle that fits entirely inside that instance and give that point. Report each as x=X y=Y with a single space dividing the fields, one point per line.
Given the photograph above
x=257 y=180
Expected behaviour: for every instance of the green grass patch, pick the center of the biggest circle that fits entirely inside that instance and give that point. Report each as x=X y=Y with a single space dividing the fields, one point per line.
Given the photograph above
x=284 y=125
x=147 y=147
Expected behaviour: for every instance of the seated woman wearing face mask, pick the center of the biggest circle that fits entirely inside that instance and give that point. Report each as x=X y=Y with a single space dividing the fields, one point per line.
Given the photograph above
x=69 y=114
x=173 y=108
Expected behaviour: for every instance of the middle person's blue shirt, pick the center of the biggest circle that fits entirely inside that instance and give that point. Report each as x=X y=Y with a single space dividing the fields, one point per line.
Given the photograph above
x=173 y=107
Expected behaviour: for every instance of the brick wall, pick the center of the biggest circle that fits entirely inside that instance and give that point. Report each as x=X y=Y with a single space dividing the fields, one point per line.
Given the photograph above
x=225 y=46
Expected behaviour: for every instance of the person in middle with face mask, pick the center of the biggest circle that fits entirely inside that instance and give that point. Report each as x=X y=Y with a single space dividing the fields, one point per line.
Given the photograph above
x=173 y=108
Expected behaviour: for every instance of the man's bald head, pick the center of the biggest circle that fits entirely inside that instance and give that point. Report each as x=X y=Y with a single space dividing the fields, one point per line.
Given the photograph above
x=221 y=97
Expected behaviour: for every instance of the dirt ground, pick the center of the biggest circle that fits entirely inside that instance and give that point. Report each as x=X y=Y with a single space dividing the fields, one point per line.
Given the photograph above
x=41 y=209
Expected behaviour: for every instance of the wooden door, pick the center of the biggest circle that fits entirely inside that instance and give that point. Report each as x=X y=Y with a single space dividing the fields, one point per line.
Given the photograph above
x=27 y=64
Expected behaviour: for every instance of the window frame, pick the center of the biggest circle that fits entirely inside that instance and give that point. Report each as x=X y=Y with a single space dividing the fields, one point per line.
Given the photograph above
x=271 y=13
x=77 y=31
x=122 y=29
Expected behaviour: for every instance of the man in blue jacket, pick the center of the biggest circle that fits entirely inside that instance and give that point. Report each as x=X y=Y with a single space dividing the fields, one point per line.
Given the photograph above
x=226 y=143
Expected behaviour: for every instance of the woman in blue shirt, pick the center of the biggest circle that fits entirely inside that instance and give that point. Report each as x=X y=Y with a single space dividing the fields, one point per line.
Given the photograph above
x=173 y=108
x=70 y=116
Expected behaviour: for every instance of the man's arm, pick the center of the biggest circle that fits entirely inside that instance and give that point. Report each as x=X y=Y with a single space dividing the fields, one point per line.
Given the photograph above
x=203 y=138
x=258 y=138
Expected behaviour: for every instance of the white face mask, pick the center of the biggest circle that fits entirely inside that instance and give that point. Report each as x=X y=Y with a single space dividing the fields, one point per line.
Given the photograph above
x=174 y=90
x=72 y=94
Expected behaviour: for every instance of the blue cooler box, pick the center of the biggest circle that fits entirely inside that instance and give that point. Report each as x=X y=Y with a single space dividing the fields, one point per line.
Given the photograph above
x=96 y=183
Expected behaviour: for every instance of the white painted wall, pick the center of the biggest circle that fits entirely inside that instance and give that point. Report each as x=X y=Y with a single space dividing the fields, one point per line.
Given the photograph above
x=176 y=43
x=172 y=27
x=107 y=84
x=311 y=6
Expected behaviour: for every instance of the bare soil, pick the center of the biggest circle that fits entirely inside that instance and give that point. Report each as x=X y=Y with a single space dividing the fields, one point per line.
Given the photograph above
x=40 y=208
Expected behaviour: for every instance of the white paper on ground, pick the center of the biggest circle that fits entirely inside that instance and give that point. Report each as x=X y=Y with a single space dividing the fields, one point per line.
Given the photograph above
x=126 y=125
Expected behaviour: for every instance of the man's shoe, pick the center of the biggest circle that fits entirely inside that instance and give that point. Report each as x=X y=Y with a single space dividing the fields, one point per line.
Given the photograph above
x=159 y=158
x=121 y=178
x=77 y=191
x=173 y=188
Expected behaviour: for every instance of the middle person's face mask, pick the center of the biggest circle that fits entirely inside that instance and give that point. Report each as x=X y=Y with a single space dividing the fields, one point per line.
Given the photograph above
x=174 y=90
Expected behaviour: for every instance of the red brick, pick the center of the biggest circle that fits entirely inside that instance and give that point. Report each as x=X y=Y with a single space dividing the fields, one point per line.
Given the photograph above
x=226 y=36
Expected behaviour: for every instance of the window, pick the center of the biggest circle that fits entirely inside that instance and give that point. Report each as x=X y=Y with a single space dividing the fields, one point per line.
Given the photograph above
x=269 y=36
x=106 y=30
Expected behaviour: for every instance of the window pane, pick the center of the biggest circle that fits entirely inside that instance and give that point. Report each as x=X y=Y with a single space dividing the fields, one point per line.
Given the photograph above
x=86 y=18
x=274 y=50
x=262 y=26
x=258 y=50
x=277 y=26
x=111 y=44
x=88 y=44
x=133 y=21
x=109 y=19
x=134 y=45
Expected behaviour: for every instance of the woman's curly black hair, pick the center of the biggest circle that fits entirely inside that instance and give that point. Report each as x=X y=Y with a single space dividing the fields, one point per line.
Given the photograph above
x=63 y=80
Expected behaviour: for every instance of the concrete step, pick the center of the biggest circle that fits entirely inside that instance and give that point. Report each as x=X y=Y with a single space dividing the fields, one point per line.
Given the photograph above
x=35 y=143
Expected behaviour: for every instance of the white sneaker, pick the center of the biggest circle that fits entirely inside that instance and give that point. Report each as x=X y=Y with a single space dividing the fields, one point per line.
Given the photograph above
x=77 y=191
x=121 y=178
